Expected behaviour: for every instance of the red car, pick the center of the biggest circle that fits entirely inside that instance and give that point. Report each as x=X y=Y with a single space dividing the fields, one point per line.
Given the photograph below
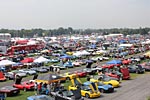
x=146 y=66
x=126 y=62
x=9 y=91
x=80 y=73
x=121 y=73
x=2 y=77
x=24 y=85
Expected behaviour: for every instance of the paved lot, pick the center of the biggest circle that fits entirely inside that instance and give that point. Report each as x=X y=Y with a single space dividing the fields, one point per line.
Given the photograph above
x=137 y=89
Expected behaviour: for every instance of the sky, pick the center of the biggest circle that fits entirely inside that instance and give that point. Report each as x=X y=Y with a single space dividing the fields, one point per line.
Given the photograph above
x=78 y=14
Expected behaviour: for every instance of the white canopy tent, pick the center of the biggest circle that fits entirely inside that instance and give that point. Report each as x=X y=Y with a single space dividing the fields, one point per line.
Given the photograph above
x=41 y=60
x=6 y=62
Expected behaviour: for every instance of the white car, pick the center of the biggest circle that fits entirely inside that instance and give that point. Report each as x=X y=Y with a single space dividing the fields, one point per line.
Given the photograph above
x=18 y=73
x=28 y=71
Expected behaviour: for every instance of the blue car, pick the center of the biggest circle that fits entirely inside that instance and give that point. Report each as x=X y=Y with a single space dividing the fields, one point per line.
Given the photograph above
x=54 y=60
x=105 y=88
x=68 y=64
x=40 y=97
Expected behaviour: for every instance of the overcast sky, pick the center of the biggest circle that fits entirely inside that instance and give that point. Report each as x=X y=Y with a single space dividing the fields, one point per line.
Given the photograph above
x=78 y=14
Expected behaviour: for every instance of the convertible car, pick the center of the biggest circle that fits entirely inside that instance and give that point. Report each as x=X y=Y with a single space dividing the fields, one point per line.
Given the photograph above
x=24 y=85
x=9 y=91
x=67 y=95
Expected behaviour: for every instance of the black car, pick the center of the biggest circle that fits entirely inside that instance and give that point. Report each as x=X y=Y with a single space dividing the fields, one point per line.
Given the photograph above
x=68 y=95
x=136 y=69
x=9 y=91
x=90 y=71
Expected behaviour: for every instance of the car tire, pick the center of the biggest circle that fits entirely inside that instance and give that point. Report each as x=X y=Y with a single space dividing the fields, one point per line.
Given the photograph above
x=136 y=72
x=67 y=78
x=87 y=95
x=102 y=90
x=110 y=84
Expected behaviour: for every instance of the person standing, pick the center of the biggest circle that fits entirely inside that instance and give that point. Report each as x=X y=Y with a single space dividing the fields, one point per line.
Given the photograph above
x=35 y=88
x=58 y=70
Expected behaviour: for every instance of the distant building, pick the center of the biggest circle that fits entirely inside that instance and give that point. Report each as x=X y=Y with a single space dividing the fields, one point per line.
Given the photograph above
x=5 y=37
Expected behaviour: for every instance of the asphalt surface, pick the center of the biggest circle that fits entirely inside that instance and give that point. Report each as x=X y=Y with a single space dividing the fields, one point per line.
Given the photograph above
x=136 y=89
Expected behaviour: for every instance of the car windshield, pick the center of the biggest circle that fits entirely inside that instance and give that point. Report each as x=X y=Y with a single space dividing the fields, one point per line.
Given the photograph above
x=100 y=84
x=86 y=88
x=67 y=93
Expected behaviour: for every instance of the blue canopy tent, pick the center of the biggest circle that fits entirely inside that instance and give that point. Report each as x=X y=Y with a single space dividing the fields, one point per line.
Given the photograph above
x=66 y=56
x=114 y=62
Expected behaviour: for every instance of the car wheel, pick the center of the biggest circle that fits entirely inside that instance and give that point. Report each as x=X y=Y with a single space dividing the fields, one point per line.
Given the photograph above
x=87 y=95
x=110 y=84
x=67 y=78
x=136 y=72
x=102 y=90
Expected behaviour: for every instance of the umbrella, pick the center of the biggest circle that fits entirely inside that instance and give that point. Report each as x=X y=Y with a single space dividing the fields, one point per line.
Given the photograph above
x=27 y=60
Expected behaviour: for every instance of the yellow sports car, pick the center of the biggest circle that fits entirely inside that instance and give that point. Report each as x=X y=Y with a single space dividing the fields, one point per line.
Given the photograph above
x=109 y=81
x=88 y=89
x=69 y=53
x=69 y=75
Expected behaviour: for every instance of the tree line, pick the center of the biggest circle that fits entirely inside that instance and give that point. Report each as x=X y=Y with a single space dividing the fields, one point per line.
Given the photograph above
x=68 y=31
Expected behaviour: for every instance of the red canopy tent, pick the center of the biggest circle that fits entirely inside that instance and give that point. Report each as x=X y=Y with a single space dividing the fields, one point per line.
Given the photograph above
x=22 y=41
x=27 y=60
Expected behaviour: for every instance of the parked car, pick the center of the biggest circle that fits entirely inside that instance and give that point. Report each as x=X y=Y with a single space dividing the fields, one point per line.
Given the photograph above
x=90 y=71
x=27 y=85
x=136 y=69
x=9 y=76
x=40 y=97
x=146 y=66
x=45 y=67
x=39 y=70
x=9 y=91
x=18 y=73
x=103 y=88
x=76 y=63
x=2 y=77
x=28 y=71
x=80 y=73
x=104 y=80
x=68 y=64
x=68 y=95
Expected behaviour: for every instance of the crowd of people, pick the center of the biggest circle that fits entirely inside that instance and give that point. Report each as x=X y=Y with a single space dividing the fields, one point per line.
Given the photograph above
x=44 y=88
